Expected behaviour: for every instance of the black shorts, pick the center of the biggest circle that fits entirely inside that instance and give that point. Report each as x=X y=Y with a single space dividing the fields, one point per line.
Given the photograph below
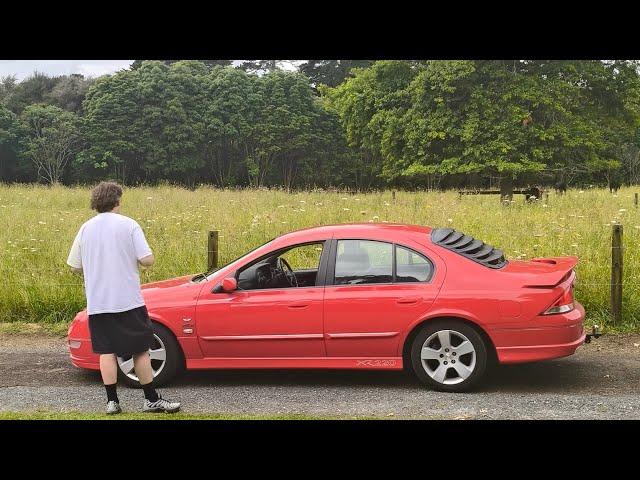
x=122 y=333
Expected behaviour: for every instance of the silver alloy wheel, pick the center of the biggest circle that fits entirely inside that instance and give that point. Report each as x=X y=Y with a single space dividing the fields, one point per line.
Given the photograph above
x=454 y=359
x=158 y=356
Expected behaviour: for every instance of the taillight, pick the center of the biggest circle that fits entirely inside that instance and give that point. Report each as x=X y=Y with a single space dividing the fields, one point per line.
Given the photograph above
x=563 y=305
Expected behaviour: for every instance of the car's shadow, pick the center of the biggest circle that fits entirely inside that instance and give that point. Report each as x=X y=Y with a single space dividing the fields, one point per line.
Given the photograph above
x=564 y=375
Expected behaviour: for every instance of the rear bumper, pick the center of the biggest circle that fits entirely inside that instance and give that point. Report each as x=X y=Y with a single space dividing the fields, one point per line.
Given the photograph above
x=555 y=336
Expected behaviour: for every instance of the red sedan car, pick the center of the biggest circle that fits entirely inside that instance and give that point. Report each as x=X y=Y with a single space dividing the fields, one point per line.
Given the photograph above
x=361 y=296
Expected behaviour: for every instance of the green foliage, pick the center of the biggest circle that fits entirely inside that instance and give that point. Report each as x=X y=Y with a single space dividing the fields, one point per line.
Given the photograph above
x=7 y=85
x=50 y=138
x=208 y=63
x=504 y=118
x=65 y=91
x=215 y=124
x=69 y=92
x=412 y=124
x=146 y=123
x=8 y=143
x=330 y=72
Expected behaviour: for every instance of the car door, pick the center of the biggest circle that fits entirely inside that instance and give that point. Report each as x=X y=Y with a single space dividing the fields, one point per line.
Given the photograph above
x=265 y=322
x=370 y=298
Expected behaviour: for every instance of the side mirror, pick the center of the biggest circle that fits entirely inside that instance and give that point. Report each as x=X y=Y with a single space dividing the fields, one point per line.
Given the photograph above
x=228 y=285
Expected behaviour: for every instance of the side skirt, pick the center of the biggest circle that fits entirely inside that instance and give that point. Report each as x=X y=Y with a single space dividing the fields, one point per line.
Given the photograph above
x=359 y=363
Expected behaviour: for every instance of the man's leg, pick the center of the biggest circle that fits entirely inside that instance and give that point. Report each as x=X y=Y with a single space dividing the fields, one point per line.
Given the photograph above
x=109 y=372
x=153 y=401
x=109 y=368
x=142 y=365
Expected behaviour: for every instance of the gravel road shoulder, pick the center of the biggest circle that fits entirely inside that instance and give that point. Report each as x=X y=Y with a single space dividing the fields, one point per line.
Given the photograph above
x=601 y=381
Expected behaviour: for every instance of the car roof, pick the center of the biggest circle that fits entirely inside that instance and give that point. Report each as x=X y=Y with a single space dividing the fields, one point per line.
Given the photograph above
x=353 y=229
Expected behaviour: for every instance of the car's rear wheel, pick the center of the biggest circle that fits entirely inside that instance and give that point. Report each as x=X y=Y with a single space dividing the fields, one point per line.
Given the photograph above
x=166 y=359
x=449 y=355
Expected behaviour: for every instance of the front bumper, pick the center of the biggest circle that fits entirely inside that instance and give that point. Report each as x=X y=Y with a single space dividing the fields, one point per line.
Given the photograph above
x=555 y=336
x=82 y=355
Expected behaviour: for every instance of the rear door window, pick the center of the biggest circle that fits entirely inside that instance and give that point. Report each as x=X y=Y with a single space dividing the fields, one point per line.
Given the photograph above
x=411 y=266
x=362 y=262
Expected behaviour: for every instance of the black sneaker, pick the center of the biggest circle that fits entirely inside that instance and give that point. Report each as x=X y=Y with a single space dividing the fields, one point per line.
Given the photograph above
x=160 y=405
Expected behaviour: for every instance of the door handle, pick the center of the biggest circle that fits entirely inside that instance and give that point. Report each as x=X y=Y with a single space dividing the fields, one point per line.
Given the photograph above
x=407 y=300
x=298 y=305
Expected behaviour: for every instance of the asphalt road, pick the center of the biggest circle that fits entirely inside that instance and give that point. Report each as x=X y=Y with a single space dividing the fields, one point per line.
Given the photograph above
x=601 y=381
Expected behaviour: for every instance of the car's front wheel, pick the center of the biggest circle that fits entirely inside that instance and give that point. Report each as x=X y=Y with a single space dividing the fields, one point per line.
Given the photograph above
x=166 y=359
x=449 y=355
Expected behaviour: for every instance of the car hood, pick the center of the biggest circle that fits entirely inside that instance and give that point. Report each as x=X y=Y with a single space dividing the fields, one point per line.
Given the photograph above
x=170 y=283
x=168 y=292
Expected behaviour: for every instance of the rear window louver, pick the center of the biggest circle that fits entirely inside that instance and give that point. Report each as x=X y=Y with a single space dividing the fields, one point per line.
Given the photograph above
x=469 y=247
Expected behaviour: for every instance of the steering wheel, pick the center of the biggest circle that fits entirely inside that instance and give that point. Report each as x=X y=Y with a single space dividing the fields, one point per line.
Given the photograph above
x=287 y=271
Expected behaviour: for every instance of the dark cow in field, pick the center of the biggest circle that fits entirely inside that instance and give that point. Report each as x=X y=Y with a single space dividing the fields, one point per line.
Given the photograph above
x=561 y=187
x=614 y=185
x=532 y=193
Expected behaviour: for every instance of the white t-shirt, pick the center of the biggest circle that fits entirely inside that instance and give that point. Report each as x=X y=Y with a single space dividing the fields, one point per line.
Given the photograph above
x=107 y=248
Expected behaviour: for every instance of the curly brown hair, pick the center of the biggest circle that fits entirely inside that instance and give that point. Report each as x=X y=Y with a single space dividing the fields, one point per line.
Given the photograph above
x=105 y=196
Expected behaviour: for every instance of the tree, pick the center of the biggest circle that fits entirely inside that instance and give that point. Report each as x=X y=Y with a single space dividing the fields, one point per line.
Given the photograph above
x=364 y=103
x=209 y=63
x=8 y=143
x=7 y=84
x=64 y=91
x=69 y=92
x=330 y=72
x=261 y=66
x=233 y=101
x=511 y=119
x=290 y=133
x=147 y=124
x=50 y=139
x=32 y=90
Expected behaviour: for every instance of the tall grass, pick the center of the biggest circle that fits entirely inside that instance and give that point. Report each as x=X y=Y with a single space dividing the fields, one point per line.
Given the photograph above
x=38 y=224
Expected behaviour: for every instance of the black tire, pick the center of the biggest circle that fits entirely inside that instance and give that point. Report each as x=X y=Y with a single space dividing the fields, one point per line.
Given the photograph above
x=459 y=327
x=174 y=361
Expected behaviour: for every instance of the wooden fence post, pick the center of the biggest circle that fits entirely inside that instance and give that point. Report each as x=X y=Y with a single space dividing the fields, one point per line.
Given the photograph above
x=393 y=195
x=212 y=250
x=546 y=198
x=616 y=273
x=635 y=200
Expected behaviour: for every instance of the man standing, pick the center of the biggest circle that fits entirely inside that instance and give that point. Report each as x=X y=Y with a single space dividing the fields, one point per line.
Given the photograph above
x=107 y=251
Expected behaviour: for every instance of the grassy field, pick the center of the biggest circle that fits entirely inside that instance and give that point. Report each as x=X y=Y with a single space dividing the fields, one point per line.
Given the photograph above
x=38 y=225
x=45 y=415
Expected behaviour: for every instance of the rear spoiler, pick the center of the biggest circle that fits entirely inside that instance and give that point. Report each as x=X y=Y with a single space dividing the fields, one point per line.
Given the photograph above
x=561 y=268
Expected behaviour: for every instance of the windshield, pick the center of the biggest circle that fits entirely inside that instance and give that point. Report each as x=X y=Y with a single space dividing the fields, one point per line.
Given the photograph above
x=202 y=276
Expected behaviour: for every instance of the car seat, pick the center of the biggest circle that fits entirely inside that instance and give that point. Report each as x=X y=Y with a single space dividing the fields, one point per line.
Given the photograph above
x=353 y=262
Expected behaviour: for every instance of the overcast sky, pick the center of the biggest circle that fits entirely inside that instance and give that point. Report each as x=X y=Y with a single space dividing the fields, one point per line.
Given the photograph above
x=89 y=68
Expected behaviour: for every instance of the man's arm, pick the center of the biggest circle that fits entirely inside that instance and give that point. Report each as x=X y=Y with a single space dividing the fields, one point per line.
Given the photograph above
x=141 y=247
x=75 y=258
x=147 y=261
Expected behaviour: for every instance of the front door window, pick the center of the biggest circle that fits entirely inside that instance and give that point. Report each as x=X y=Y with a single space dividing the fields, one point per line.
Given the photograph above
x=294 y=267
